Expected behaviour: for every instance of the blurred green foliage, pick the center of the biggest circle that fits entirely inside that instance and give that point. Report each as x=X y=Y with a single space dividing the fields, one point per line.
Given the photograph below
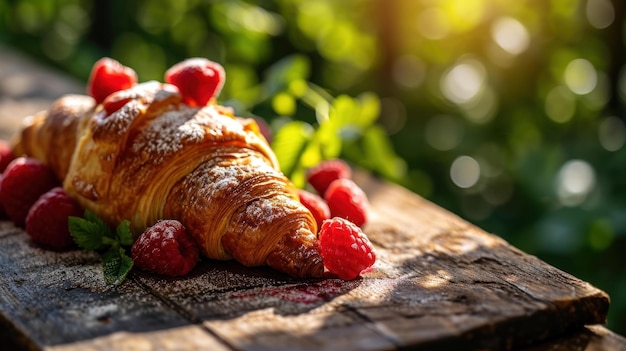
x=508 y=113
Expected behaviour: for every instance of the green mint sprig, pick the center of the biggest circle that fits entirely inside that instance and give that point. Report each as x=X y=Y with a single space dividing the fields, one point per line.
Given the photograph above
x=93 y=234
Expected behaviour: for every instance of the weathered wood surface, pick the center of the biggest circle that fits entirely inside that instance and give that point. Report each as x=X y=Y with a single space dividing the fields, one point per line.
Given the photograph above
x=439 y=283
x=590 y=338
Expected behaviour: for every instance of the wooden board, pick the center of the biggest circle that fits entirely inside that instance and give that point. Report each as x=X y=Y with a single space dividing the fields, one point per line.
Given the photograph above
x=439 y=281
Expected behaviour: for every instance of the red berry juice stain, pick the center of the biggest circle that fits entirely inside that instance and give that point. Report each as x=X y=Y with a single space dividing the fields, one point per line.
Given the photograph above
x=304 y=293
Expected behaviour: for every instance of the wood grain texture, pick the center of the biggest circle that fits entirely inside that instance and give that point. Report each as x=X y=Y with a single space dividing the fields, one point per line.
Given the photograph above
x=438 y=282
x=589 y=338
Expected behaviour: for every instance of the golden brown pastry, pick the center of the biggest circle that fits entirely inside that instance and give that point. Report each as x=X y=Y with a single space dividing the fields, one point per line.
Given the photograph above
x=157 y=157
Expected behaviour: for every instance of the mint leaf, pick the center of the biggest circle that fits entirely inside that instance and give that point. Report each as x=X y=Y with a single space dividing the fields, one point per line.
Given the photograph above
x=88 y=235
x=102 y=225
x=93 y=233
x=116 y=265
x=123 y=233
x=90 y=216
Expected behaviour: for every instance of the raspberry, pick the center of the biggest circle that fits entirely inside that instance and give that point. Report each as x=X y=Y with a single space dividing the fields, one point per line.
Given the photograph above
x=346 y=200
x=326 y=172
x=3 y=213
x=47 y=220
x=114 y=102
x=24 y=181
x=118 y=99
x=346 y=250
x=108 y=76
x=165 y=248
x=6 y=155
x=318 y=207
x=198 y=79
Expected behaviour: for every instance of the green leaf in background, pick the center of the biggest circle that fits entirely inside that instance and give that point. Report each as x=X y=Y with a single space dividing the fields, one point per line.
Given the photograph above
x=328 y=140
x=284 y=104
x=381 y=156
x=289 y=69
x=341 y=121
x=360 y=112
x=369 y=109
x=116 y=265
x=289 y=144
x=343 y=110
x=124 y=234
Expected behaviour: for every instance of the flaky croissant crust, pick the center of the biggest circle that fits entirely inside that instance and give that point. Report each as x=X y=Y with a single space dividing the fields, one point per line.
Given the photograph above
x=158 y=158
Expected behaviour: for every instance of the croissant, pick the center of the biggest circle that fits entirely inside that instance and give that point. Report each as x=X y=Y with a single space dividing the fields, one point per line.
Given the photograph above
x=157 y=158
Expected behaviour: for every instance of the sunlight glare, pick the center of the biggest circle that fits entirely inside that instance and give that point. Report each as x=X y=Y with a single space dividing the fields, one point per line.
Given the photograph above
x=436 y=280
x=464 y=15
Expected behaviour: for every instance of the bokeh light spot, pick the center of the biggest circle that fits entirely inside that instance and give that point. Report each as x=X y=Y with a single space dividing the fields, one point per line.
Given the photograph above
x=612 y=133
x=392 y=115
x=483 y=107
x=463 y=82
x=259 y=20
x=580 y=76
x=433 y=24
x=499 y=191
x=576 y=179
x=408 y=71
x=600 y=95
x=560 y=104
x=511 y=35
x=600 y=13
x=444 y=132
x=465 y=172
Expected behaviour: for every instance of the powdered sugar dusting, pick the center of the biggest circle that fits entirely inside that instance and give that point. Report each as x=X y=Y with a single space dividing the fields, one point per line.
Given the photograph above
x=219 y=176
x=168 y=133
x=116 y=124
x=268 y=210
x=86 y=189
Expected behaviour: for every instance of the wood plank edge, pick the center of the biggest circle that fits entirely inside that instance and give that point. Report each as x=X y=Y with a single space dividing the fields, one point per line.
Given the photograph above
x=11 y=336
x=521 y=331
